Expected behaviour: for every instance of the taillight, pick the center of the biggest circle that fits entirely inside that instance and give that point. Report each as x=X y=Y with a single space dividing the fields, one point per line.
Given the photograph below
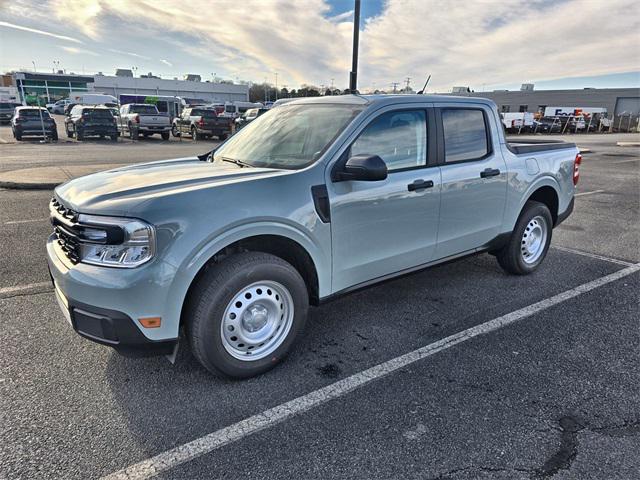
x=576 y=168
x=136 y=119
x=201 y=123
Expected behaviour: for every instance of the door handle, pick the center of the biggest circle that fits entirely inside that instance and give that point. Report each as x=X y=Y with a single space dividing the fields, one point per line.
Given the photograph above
x=419 y=185
x=489 y=172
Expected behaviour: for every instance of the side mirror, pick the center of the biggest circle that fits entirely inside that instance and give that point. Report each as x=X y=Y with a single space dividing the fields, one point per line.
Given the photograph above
x=363 y=167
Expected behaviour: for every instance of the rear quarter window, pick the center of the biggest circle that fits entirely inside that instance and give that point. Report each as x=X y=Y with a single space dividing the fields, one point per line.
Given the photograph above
x=465 y=134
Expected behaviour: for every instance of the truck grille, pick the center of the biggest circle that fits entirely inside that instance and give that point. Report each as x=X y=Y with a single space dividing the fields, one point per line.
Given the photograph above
x=65 y=228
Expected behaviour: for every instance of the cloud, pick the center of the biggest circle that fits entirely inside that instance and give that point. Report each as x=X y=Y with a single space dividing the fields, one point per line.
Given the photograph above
x=166 y=62
x=460 y=43
x=84 y=14
x=78 y=51
x=39 y=32
x=131 y=54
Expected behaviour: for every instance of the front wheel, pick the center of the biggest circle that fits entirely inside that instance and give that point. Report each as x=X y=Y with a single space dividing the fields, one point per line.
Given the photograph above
x=174 y=131
x=529 y=241
x=245 y=314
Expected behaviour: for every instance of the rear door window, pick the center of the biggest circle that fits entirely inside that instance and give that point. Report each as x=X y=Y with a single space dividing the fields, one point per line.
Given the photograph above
x=465 y=134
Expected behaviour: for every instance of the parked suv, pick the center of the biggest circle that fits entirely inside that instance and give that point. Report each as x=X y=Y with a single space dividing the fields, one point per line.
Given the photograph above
x=6 y=111
x=90 y=120
x=316 y=199
x=30 y=121
x=58 y=107
x=201 y=122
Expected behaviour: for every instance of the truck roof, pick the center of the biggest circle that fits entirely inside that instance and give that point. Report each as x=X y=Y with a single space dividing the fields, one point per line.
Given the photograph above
x=381 y=100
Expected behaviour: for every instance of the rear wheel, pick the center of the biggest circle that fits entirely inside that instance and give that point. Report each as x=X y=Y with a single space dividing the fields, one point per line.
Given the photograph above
x=79 y=135
x=222 y=137
x=165 y=135
x=529 y=241
x=194 y=133
x=114 y=137
x=245 y=314
x=17 y=135
x=174 y=131
x=54 y=135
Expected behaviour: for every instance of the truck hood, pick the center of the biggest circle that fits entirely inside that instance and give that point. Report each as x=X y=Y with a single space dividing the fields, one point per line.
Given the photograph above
x=118 y=191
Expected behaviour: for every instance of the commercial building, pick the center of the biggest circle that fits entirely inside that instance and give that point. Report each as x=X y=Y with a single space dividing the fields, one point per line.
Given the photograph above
x=616 y=101
x=49 y=87
x=189 y=90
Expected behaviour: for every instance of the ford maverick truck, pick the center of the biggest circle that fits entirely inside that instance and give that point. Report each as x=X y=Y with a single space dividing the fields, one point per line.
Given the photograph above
x=312 y=200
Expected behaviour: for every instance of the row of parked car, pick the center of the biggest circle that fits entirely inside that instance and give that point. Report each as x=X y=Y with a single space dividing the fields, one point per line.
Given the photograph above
x=132 y=120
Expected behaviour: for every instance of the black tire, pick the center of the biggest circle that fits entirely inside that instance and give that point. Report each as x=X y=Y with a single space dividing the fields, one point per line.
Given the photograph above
x=222 y=137
x=18 y=136
x=54 y=135
x=194 y=133
x=165 y=135
x=79 y=136
x=114 y=137
x=213 y=293
x=174 y=131
x=511 y=257
x=66 y=130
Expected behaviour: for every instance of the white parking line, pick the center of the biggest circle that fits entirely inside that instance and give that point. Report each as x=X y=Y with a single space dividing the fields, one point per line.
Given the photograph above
x=588 y=193
x=627 y=161
x=29 y=288
x=187 y=452
x=593 y=255
x=17 y=222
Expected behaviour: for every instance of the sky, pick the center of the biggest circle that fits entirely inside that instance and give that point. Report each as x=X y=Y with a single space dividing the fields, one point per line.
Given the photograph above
x=482 y=44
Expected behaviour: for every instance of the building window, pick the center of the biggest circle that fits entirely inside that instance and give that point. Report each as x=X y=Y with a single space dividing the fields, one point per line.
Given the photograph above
x=523 y=108
x=505 y=108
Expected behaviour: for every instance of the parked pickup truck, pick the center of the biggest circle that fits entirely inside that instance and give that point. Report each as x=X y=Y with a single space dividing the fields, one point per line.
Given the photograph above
x=202 y=122
x=142 y=119
x=313 y=200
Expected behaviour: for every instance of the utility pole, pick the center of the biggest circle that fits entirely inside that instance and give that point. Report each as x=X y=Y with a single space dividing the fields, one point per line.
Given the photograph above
x=353 y=76
x=406 y=81
x=395 y=86
x=276 y=86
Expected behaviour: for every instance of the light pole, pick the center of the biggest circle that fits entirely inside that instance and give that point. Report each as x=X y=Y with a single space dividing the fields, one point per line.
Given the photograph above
x=34 y=65
x=353 y=76
x=134 y=70
x=276 y=86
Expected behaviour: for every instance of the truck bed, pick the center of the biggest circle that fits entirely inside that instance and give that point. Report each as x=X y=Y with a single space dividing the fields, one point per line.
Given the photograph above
x=535 y=146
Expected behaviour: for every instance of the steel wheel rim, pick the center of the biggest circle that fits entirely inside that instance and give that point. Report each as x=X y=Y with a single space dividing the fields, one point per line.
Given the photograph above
x=257 y=320
x=534 y=239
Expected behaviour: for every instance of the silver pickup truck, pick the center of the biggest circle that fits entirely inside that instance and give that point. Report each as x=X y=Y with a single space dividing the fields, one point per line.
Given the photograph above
x=137 y=119
x=312 y=200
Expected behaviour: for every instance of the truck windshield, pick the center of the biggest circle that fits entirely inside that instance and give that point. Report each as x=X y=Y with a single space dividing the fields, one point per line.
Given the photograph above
x=144 y=109
x=289 y=137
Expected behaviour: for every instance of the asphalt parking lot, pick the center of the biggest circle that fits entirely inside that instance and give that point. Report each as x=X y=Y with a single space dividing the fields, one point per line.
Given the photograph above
x=457 y=372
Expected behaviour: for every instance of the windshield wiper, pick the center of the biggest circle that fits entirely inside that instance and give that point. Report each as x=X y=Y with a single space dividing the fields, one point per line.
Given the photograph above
x=240 y=163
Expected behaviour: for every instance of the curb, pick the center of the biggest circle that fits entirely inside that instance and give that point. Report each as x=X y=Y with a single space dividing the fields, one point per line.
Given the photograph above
x=628 y=144
x=28 y=186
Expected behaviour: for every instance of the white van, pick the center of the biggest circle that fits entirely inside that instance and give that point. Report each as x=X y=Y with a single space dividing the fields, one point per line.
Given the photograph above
x=235 y=109
x=93 y=99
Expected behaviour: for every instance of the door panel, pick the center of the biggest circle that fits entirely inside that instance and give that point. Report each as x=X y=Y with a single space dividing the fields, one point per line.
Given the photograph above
x=473 y=191
x=383 y=227
x=379 y=228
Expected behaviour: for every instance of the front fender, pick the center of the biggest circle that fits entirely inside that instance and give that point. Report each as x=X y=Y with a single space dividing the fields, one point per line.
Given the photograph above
x=195 y=260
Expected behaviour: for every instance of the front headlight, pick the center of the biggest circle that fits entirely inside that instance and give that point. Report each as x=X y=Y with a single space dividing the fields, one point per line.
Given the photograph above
x=116 y=242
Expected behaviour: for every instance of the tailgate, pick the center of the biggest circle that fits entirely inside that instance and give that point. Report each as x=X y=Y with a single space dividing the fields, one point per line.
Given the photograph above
x=154 y=120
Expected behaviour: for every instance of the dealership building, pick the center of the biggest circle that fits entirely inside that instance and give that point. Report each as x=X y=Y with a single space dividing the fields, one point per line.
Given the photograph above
x=616 y=101
x=54 y=86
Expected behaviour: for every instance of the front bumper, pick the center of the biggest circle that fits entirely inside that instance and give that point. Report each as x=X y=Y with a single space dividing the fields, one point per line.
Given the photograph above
x=105 y=304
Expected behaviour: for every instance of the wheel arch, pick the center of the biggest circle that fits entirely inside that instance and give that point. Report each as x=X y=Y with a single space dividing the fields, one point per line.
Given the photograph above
x=286 y=243
x=545 y=191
